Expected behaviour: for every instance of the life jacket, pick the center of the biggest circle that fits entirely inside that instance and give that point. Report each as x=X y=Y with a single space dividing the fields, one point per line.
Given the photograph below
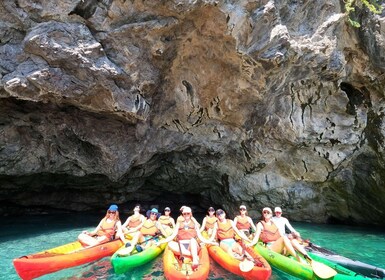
x=210 y=222
x=243 y=223
x=165 y=220
x=107 y=229
x=134 y=222
x=269 y=233
x=225 y=230
x=187 y=231
x=149 y=228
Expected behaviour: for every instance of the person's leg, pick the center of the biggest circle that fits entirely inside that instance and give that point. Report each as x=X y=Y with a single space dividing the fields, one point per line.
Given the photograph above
x=87 y=240
x=298 y=247
x=137 y=236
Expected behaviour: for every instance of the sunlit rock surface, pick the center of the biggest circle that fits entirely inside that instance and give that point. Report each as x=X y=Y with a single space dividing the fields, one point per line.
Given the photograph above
x=221 y=103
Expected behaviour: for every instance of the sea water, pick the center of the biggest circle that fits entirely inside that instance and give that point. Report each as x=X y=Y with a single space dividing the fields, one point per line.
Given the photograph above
x=26 y=235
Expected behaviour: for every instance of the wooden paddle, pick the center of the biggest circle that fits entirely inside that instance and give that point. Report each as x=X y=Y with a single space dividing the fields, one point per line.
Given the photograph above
x=125 y=251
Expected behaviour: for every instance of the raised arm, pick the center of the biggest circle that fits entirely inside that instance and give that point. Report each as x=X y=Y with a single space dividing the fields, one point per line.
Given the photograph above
x=252 y=224
x=203 y=224
x=257 y=234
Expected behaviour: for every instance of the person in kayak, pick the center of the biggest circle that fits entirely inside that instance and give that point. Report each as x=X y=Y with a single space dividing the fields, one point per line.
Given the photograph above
x=148 y=233
x=269 y=233
x=181 y=218
x=105 y=231
x=187 y=232
x=209 y=222
x=133 y=224
x=243 y=222
x=283 y=223
x=166 y=220
x=225 y=231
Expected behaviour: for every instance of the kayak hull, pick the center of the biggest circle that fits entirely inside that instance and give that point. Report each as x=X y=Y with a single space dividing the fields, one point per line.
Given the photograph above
x=301 y=270
x=122 y=264
x=58 y=258
x=175 y=269
x=233 y=265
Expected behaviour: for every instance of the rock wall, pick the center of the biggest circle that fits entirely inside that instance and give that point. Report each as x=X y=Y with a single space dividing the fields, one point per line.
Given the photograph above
x=204 y=102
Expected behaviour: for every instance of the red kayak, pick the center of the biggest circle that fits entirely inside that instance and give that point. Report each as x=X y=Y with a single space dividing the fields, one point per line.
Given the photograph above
x=260 y=270
x=65 y=256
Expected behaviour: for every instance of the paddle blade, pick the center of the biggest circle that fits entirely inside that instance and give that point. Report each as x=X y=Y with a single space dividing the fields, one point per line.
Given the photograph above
x=322 y=270
x=246 y=265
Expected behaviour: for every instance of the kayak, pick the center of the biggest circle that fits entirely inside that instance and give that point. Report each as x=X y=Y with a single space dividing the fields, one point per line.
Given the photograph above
x=65 y=256
x=323 y=255
x=175 y=268
x=303 y=269
x=234 y=265
x=122 y=264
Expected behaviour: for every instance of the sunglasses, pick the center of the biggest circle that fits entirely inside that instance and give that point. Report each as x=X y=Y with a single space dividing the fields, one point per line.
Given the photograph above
x=111 y=212
x=266 y=212
x=153 y=214
x=186 y=214
x=242 y=209
x=167 y=210
x=278 y=212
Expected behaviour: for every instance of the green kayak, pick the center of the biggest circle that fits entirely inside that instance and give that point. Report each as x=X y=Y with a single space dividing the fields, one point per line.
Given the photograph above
x=302 y=270
x=122 y=264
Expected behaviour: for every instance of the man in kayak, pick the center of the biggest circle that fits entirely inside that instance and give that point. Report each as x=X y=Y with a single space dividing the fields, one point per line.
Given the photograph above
x=187 y=232
x=148 y=233
x=225 y=230
x=269 y=233
x=282 y=223
x=243 y=222
x=133 y=224
x=105 y=231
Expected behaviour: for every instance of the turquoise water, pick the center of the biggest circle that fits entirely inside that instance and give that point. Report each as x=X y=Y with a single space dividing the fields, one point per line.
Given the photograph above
x=22 y=236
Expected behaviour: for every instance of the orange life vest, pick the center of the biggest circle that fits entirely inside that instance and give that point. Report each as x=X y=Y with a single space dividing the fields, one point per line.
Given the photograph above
x=210 y=222
x=107 y=229
x=269 y=233
x=243 y=223
x=225 y=230
x=165 y=220
x=134 y=222
x=149 y=228
x=186 y=231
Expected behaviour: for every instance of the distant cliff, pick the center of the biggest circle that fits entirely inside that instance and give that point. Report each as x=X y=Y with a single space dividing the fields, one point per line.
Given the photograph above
x=257 y=102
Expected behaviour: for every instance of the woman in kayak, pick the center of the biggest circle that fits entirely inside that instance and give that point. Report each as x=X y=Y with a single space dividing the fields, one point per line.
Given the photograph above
x=269 y=233
x=133 y=224
x=225 y=231
x=187 y=232
x=209 y=222
x=243 y=222
x=166 y=220
x=105 y=231
x=148 y=233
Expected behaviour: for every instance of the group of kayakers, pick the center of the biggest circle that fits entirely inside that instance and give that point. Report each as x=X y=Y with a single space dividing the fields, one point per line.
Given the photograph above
x=185 y=235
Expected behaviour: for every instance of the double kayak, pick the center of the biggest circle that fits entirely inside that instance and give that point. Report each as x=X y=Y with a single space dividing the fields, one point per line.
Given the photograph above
x=304 y=270
x=176 y=267
x=331 y=258
x=259 y=271
x=122 y=263
x=65 y=256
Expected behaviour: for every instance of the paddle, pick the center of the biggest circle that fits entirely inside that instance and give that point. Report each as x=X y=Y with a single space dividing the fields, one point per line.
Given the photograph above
x=138 y=248
x=321 y=270
x=252 y=253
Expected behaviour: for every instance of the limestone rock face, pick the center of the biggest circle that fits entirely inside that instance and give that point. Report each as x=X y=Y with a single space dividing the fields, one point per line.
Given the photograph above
x=222 y=103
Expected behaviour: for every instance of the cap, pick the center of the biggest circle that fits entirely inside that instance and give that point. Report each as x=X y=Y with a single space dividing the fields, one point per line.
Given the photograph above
x=220 y=212
x=278 y=209
x=113 y=207
x=267 y=209
x=211 y=209
x=186 y=210
x=154 y=210
x=181 y=209
x=242 y=207
x=167 y=209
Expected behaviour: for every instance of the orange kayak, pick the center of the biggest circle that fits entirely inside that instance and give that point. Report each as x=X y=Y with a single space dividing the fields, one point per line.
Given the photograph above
x=65 y=256
x=233 y=265
x=174 y=268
